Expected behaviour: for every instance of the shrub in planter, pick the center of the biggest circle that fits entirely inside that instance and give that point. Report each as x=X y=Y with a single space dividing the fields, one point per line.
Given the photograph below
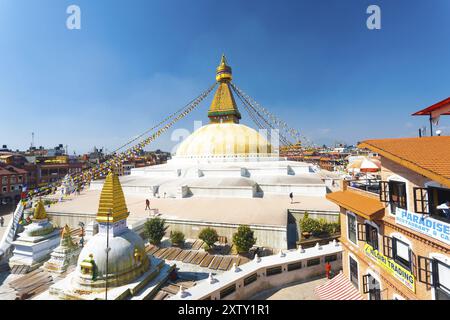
x=309 y=225
x=154 y=230
x=244 y=239
x=210 y=236
x=177 y=238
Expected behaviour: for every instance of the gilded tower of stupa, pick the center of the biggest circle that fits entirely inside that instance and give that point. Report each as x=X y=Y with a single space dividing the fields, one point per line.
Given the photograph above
x=223 y=108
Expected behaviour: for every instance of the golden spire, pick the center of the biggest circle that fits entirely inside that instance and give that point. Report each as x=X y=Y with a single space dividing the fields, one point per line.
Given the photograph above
x=112 y=201
x=66 y=237
x=39 y=211
x=223 y=107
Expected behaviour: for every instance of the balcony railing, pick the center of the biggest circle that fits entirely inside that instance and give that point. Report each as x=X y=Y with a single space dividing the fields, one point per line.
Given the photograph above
x=372 y=186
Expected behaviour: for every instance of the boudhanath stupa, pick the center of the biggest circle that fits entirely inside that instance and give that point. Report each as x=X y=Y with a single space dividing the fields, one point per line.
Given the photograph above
x=222 y=175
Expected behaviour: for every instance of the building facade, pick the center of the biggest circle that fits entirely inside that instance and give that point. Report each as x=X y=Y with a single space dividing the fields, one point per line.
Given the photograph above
x=12 y=180
x=396 y=244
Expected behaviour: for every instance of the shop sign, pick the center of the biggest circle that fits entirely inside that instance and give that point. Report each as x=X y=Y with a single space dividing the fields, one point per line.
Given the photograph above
x=405 y=276
x=425 y=224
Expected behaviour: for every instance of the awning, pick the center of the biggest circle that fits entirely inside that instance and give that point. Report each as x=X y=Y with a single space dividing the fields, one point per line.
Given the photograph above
x=338 y=288
x=364 y=206
x=436 y=110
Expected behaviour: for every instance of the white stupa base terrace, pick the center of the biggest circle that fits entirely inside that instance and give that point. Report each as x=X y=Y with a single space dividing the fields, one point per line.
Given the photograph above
x=232 y=177
x=191 y=194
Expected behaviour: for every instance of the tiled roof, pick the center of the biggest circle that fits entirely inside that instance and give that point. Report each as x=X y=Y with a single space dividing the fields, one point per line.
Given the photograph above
x=429 y=156
x=364 y=206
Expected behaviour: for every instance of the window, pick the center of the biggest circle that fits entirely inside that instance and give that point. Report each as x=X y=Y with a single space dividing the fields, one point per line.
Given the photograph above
x=19 y=178
x=4 y=189
x=273 y=271
x=441 y=274
x=351 y=226
x=401 y=253
x=353 y=271
x=313 y=262
x=331 y=258
x=250 y=279
x=294 y=266
x=372 y=287
x=227 y=291
x=435 y=273
x=397 y=195
x=437 y=198
x=372 y=236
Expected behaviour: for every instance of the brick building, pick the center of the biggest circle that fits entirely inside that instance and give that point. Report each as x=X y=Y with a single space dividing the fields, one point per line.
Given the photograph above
x=397 y=243
x=12 y=180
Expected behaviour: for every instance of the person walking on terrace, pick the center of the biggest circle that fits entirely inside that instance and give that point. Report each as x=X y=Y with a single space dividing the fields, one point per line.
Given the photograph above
x=147 y=204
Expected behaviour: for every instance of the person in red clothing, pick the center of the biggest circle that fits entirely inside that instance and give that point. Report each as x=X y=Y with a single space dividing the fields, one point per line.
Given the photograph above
x=328 y=269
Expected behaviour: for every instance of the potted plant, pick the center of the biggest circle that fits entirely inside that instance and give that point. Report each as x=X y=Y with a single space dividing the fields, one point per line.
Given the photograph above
x=209 y=236
x=243 y=239
x=154 y=230
x=309 y=226
x=177 y=238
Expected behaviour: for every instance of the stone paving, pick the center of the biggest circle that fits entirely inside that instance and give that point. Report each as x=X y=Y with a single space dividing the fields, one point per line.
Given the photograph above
x=294 y=291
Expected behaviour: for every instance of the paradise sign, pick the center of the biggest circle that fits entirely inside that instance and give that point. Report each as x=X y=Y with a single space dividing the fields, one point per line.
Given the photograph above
x=405 y=276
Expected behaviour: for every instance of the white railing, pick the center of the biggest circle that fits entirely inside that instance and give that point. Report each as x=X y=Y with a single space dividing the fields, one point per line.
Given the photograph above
x=212 y=287
x=11 y=231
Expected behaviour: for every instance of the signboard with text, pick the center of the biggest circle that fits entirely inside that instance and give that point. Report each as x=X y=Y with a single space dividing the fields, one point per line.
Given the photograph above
x=396 y=270
x=433 y=228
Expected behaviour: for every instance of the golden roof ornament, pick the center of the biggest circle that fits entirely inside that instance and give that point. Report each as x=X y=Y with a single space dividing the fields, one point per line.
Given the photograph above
x=223 y=107
x=112 y=201
x=39 y=211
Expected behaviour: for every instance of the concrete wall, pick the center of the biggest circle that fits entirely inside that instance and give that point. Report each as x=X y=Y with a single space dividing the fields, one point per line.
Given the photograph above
x=71 y=219
x=272 y=237
x=313 y=190
x=232 y=192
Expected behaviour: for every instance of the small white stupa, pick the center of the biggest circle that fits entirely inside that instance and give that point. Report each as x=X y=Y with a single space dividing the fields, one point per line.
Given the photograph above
x=65 y=255
x=35 y=244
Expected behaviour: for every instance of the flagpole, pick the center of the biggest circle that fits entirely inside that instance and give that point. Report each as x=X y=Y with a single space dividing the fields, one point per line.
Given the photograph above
x=107 y=253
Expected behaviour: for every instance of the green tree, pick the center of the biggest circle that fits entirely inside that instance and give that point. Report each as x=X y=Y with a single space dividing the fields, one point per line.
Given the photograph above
x=244 y=239
x=154 y=230
x=308 y=224
x=176 y=237
x=209 y=235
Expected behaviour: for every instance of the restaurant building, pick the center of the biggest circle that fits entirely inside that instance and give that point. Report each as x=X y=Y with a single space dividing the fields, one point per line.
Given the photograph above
x=396 y=243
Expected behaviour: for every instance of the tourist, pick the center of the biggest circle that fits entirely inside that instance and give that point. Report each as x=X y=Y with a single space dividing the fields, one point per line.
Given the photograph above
x=291 y=195
x=147 y=204
x=328 y=269
x=445 y=208
x=2 y=221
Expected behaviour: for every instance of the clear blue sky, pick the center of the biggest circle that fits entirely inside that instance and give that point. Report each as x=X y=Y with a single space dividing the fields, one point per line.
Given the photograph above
x=314 y=63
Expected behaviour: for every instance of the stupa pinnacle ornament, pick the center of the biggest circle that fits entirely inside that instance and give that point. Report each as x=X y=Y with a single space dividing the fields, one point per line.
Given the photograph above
x=223 y=108
x=39 y=211
x=64 y=255
x=112 y=201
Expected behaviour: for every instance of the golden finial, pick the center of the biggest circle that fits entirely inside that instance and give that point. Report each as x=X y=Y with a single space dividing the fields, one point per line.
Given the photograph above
x=223 y=107
x=223 y=60
x=39 y=211
x=223 y=72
